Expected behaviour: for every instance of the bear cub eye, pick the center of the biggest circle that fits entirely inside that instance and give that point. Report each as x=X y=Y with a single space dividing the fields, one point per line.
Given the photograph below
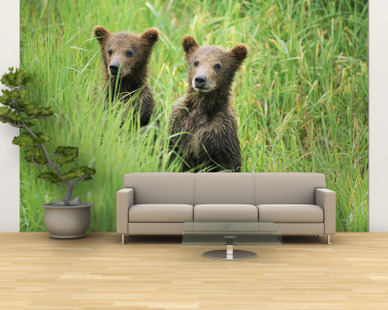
x=110 y=52
x=196 y=63
x=217 y=67
x=128 y=53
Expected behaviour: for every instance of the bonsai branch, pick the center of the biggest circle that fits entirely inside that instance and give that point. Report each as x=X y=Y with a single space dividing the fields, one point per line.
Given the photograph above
x=46 y=155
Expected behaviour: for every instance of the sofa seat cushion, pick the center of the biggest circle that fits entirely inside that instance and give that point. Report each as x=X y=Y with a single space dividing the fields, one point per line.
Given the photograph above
x=290 y=213
x=160 y=213
x=225 y=212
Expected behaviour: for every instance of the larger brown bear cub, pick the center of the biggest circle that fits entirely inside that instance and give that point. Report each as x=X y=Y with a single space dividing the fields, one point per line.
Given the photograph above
x=125 y=56
x=203 y=124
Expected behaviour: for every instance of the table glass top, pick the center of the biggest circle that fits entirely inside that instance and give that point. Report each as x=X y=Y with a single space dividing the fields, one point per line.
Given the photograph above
x=217 y=232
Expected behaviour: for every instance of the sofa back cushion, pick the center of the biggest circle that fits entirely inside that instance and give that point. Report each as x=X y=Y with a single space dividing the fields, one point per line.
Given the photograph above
x=222 y=187
x=164 y=187
x=287 y=188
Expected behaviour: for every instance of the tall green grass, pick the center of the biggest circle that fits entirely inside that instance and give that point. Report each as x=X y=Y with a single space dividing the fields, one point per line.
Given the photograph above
x=301 y=96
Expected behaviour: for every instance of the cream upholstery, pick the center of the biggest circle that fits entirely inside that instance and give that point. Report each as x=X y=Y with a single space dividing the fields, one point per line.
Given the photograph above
x=152 y=187
x=225 y=212
x=287 y=187
x=225 y=188
x=160 y=213
x=290 y=213
x=159 y=203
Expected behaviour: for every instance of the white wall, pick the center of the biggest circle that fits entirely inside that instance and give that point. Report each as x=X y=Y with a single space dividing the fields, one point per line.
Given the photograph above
x=378 y=115
x=9 y=153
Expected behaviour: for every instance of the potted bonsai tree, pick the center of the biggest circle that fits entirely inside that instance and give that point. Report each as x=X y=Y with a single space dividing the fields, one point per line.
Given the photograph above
x=67 y=218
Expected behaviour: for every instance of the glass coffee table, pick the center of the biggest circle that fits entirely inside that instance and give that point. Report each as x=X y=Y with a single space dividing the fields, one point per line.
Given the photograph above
x=230 y=234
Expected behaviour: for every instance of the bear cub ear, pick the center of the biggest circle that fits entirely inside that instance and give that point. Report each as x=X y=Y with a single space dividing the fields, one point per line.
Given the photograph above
x=189 y=44
x=150 y=36
x=101 y=34
x=239 y=53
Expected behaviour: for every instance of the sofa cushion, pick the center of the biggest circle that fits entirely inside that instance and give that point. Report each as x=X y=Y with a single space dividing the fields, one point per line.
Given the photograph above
x=290 y=213
x=225 y=212
x=224 y=188
x=160 y=213
x=164 y=187
x=298 y=188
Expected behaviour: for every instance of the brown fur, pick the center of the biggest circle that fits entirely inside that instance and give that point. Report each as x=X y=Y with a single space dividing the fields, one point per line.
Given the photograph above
x=205 y=116
x=131 y=53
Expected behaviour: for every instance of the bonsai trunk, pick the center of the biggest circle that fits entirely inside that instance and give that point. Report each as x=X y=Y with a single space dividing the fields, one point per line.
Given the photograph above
x=69 y=192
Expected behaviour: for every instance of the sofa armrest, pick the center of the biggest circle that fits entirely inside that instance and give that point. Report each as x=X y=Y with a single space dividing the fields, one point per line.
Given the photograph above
x=125 y=198
x=326 y=199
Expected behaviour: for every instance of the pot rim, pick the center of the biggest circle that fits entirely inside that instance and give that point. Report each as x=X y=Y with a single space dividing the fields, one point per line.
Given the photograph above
x=82 y=205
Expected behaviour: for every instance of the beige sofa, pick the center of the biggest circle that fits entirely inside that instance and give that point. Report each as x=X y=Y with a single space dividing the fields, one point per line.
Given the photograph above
x=159 y=203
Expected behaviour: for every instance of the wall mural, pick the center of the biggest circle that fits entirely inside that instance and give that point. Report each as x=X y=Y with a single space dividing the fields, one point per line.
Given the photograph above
x=204 y=86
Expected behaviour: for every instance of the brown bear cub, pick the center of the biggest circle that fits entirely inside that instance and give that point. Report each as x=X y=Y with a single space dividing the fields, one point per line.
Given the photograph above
x=203 y=124
x=125 y=56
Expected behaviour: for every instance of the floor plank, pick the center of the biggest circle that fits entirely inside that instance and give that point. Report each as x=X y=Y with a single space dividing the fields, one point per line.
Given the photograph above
x=96 y=272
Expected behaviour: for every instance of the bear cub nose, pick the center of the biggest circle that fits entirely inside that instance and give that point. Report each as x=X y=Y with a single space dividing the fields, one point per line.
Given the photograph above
x=114 y=69
x=200 y=81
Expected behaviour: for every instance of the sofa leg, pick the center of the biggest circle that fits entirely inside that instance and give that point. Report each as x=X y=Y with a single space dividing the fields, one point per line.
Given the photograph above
x=328 y=239
x=122 y=239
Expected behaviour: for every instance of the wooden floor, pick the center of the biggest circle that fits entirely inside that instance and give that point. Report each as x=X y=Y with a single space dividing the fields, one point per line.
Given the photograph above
x=96 y=272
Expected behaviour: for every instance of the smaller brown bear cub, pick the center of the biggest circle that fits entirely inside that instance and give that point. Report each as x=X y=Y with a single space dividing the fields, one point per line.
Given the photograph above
x=125 y=56
x=205 y=117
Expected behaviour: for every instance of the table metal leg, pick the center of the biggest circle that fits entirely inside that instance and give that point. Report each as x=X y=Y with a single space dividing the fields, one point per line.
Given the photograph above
x=229 y=251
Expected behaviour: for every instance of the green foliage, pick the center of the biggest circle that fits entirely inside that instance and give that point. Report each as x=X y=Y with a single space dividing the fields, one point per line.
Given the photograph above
x=7 y=115
x=79 y=172
x=18 y=108
x=35 y=155
x=14 y=95
x=50 y=177
x=26 y=140
x=15 y=78
x=64 y=155
x=36 y=112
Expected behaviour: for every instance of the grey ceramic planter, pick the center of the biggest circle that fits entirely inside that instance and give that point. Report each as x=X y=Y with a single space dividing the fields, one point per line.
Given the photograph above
x=67 y=222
